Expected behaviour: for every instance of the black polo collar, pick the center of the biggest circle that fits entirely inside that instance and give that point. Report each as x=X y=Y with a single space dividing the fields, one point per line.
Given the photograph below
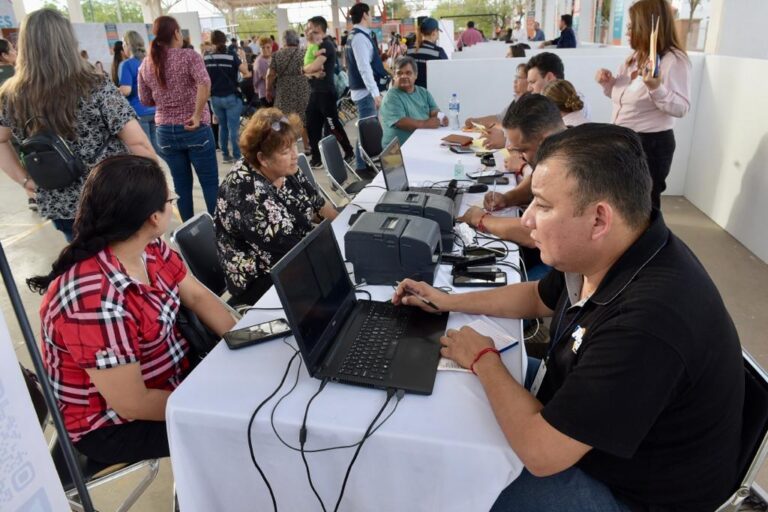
x=633 y=261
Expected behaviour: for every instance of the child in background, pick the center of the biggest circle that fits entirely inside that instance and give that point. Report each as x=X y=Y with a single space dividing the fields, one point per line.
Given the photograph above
x=313 y=49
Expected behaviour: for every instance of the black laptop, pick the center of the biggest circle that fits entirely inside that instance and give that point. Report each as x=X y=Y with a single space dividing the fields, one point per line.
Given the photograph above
x=344 y=339
x=395 y=177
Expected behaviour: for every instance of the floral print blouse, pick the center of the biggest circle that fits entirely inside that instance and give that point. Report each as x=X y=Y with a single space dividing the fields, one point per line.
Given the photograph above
x=257 y=223
x=101 y=114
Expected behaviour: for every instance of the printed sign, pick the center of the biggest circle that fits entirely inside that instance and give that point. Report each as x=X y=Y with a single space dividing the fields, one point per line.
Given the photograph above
x=28 y=479
x=112 y=36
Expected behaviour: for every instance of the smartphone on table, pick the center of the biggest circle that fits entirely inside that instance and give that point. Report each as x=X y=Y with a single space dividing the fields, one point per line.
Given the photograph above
x=265 y=331
x=484 y=279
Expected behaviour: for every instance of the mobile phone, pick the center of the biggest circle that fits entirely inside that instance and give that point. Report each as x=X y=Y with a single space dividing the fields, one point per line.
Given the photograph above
x=488 y=173
x=499 y=279
x=461 y=149
x=264 y=331
x=477 y=251
x=490 y=180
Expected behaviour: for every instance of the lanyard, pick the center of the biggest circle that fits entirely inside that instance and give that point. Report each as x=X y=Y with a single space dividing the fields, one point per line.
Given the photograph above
x=554 y=342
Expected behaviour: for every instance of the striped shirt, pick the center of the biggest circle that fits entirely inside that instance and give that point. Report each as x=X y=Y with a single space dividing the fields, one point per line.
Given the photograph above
x=426 y=52
x=223 y=69
x=95 y=316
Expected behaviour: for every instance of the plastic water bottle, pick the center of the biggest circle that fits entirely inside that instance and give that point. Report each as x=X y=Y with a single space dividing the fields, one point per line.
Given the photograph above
x=458 y=170
x=453 y=112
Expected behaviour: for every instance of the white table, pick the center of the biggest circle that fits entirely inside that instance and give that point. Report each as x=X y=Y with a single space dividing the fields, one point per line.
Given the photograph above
x=440 y=452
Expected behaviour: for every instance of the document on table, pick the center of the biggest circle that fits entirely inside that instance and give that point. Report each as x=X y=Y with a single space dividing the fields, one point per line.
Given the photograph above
x=500 y=339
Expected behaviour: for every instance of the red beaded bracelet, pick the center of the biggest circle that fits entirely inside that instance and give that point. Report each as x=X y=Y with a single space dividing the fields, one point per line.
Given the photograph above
x=481 y=354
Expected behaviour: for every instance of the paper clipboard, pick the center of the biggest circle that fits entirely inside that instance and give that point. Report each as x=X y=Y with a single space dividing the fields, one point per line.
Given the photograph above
x=653 y=54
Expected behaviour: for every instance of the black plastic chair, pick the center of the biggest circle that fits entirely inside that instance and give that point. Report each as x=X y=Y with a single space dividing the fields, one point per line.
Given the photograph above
x=95 y=474
x=338 y=170
x=754 y=432
x=370 y=133
x=306 y=170
x=196 y=241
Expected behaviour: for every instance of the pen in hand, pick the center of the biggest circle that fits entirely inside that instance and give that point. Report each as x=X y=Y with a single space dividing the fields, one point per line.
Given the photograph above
x=422 y=299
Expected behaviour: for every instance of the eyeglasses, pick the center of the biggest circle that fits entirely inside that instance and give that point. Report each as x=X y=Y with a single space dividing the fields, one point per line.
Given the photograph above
x=278 y=125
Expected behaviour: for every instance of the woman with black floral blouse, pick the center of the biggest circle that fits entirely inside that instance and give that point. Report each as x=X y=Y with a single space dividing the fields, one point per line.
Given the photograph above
x=265 y=206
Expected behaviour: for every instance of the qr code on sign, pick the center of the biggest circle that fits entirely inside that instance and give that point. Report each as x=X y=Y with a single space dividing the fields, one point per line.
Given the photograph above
x=16 y=472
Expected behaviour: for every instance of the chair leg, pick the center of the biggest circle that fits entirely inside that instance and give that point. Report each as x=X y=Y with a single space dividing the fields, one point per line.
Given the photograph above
x=152 y=469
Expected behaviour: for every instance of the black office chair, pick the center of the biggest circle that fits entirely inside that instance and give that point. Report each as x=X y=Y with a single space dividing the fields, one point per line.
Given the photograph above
x=369 y=134
x=306 y=170
x=338 y=170
x=754 y=432
x=196 y=241
x=95 y=474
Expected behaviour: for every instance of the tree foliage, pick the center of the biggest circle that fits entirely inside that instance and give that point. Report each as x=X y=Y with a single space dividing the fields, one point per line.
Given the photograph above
x=102 y=11
x=465 y=10
x=260 y=21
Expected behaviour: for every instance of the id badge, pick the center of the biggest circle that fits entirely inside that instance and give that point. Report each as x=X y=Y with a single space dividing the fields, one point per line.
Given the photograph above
x=540 y=373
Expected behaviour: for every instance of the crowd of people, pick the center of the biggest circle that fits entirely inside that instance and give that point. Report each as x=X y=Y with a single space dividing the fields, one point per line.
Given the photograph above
x=637 y=404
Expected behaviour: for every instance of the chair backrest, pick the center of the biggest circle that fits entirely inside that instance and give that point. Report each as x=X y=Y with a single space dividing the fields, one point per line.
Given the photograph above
x=754 y=429
x=369 y=134
x=196 y=240
x=306 y=170
x=333 y=160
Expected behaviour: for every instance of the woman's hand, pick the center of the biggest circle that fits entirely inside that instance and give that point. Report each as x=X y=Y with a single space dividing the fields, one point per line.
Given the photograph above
x=650 y=81
x=603 y=76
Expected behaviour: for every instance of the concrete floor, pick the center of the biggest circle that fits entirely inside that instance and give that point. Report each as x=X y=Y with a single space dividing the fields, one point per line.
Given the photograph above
x=32 y=244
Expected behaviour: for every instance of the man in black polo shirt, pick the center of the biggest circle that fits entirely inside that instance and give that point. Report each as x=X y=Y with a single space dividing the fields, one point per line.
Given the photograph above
x=322 y=108
x=638 y=405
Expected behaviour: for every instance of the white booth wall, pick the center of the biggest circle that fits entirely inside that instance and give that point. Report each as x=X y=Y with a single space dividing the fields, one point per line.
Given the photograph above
x=728 y=168
x=484 y=87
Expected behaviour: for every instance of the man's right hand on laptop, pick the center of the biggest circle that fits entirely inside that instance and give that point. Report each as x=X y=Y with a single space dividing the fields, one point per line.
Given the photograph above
x=411 y=293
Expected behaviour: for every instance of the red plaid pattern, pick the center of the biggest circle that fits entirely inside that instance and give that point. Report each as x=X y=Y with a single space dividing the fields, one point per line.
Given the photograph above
x=96 y=316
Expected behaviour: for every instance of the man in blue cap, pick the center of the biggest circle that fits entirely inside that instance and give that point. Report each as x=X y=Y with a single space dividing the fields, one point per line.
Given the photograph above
x=426 y=49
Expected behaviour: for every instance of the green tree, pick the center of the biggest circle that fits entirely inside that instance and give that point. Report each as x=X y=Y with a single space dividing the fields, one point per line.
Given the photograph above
x=261 y=21
x=56 y=6
x=463 y=11
x=105 y=11
x=397 y=9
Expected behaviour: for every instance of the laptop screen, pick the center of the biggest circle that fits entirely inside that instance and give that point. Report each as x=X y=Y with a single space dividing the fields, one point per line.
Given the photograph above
x=313 y=284
x=393 y=167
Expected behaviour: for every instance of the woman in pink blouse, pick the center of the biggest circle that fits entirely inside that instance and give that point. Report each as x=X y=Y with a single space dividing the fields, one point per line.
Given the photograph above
x=649 y=104
x=175 y=81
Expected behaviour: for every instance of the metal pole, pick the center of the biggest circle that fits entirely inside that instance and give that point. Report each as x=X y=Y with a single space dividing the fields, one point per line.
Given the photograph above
x=50 y=400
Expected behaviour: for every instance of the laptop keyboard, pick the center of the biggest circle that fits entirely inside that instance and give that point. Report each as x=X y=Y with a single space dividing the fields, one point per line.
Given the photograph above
x=374 y=347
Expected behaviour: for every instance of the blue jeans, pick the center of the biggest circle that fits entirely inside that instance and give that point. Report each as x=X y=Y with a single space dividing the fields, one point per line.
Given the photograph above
x=571 y=490
x=366 y=107
x=65 y=226
x=181 y=150
x=228 y=110
x=147 y=124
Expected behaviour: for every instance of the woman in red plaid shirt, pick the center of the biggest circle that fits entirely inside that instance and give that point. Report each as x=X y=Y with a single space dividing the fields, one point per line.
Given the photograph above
x=110 y=344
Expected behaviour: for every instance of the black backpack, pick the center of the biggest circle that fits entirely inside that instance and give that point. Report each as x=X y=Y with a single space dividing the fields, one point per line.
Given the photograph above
x=50 y=161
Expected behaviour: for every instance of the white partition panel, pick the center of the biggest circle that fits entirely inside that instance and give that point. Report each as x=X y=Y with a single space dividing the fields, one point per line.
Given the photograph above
x=485 y=87
x=728 y=166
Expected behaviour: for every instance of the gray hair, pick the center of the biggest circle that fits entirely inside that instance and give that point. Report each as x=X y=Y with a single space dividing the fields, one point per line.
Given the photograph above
x=403 y=61
x=291 y=38
x=135 y=44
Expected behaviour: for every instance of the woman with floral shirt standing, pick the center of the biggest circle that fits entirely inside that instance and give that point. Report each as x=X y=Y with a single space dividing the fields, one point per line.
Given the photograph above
x=265 y=206
x=174 y=80
x=84 y=108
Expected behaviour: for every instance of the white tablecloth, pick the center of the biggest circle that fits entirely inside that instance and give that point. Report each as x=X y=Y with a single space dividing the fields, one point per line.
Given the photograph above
x=440 y=452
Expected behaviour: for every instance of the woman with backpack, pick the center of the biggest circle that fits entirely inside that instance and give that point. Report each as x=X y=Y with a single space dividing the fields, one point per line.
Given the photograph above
x=74 y=106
